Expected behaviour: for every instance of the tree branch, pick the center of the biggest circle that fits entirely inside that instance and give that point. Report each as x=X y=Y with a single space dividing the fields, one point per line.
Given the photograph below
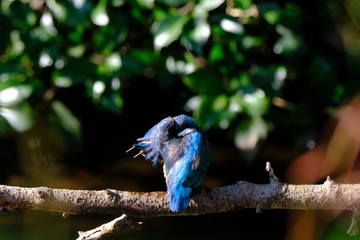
x=140 y=205
x=109 y=228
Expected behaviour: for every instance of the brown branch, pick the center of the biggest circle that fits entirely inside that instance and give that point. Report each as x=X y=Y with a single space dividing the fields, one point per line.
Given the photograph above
x=109 y=228
x=139 y=205
x=151 y=204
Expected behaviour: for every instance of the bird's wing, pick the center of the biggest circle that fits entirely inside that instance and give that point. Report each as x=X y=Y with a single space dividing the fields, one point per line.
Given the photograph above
x=150 y=145
x=199 y=154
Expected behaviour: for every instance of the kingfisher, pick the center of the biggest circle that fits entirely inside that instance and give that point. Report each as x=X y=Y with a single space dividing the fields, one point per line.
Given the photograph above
x=184 y=150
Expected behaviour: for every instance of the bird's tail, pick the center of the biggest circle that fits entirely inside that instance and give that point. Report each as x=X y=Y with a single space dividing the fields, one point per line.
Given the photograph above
x=178 y=195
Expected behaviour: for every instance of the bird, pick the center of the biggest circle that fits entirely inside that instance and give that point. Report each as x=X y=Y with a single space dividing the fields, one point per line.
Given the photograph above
x=182 y=147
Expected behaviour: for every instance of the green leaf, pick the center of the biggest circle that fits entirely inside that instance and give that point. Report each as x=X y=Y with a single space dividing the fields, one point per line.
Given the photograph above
x=116 y=30
x=147 y=3
x=209 y=5
x=146 y=57
x=174 y=2
x=254 y=103
x=67 y=120
x=272 y=16
x=201 y=32
x=216 y=52
x=220 y=103
x=112 y=101
x=179 y=67
x=99 y=15
x=269 y=78
x=270 y=11
x=105 y=93
x=14 y=95
x=74 y=72
x=231 y=26
x=288 y=41
x=21 y=15
x=58 y=10
x=117 y=3
x=212 y=110
x=111 y=64
x=204 y=81
x=196 y=36
x=61 y=81
x=168 y=30
x=19 y=117
x=251 y=41
x=243 y=4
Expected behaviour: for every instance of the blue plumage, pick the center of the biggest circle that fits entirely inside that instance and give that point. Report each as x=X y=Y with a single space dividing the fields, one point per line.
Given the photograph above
x=183 y=148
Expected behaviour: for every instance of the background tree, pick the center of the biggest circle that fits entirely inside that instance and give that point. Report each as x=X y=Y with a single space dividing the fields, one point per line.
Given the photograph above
x=79 y=80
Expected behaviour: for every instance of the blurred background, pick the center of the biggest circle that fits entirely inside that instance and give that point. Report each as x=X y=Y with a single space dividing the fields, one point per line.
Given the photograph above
x=269 y=80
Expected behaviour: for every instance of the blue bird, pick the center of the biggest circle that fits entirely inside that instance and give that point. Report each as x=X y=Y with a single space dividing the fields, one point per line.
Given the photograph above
x=181 y=145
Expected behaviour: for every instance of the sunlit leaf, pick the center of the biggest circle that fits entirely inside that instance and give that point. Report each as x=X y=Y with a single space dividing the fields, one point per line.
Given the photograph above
x=76 y=51
x=99 y=15
x=212 y=111
x=209 y=5
x=147 y=3
x=117 y=3
x=19 y=117
x=179 y=66
x=194 y=39
x=46 y=21
x=98 y=88
x=168 y=30
x=270 y=11
x=111 y=64
x=251 y=41
x=272 y=16
x=201 y=32
x=106 y=93
x=58 y=9
x=17 y=45
x=14 y=95
x=287 y=43
x=255 y=103
x=220 y=103
x=231 y=26
x=62 y=81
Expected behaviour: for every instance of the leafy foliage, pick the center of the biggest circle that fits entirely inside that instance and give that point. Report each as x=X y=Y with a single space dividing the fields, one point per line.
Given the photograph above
x=247 y=65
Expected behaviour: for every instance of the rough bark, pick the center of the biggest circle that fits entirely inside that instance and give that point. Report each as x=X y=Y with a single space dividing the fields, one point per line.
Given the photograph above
x=274 y=195
x=140 y=205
